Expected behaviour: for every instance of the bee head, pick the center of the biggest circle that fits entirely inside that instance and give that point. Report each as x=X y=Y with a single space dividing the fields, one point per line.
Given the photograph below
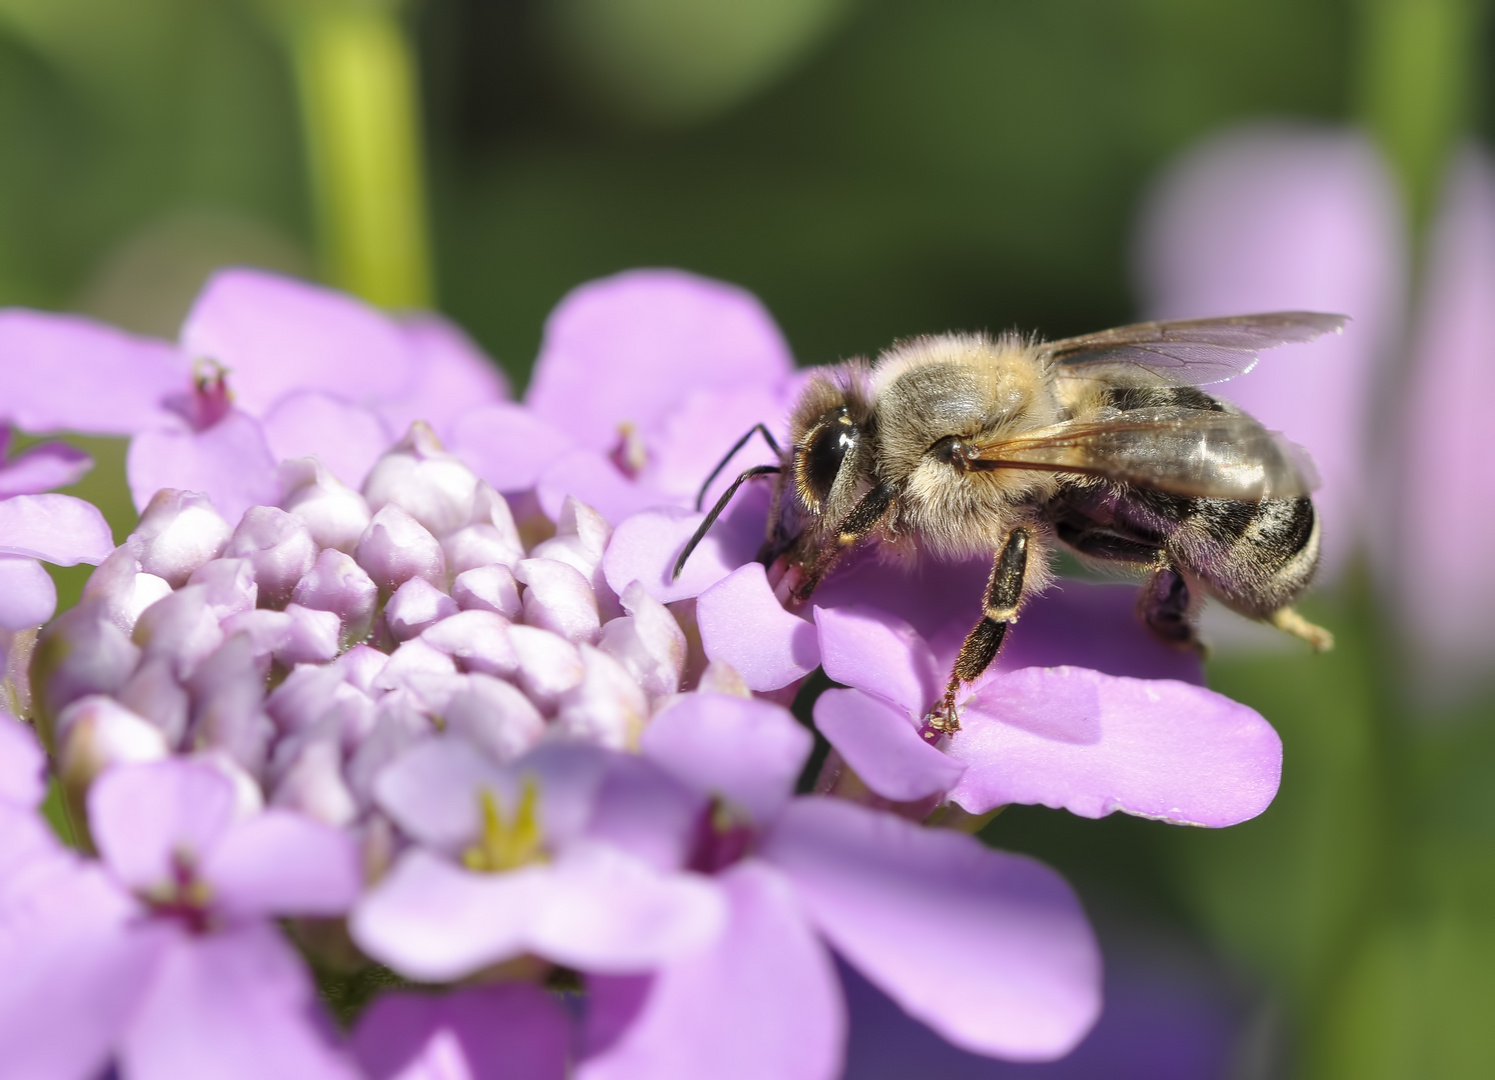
x=819 y=459
x=831 y=427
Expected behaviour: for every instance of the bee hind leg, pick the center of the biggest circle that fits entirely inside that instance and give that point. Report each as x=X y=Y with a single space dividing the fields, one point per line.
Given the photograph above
x=1165 y=607
x=1004 y=591
x=1286 y=618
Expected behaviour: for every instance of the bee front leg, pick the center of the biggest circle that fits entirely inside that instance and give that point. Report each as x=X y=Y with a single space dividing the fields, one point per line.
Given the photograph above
x=1004 y=591
x=866 y=516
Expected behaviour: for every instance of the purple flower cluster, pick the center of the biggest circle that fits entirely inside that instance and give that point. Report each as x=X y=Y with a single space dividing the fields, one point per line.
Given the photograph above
x=434 y=709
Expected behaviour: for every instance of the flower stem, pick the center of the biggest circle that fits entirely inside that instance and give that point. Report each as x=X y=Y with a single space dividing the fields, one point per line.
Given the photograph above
x=1418 y=64
x=356 y=78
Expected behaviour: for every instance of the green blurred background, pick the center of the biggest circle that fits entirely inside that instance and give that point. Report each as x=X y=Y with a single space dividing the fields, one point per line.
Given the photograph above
x=871 y=169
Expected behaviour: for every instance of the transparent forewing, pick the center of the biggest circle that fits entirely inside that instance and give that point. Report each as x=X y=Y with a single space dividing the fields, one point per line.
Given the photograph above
x=1190 y=352
x=1183 y=451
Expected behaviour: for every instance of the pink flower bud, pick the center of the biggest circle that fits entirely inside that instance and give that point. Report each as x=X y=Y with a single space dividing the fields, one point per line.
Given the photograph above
x=488 y=588
x=549 y=665
x=155 y=693
x=181 y=628
x=230 y=584
x=96 y=732
x=648 y=642
x=280 y=549
x=337 y=584
x=332 y=512
x=421 y=478
x=178 y=532
x=477 y=640
x=606 y=707
x=416 y=605
x=495 y=717
x=396 y=547
x=559 y=598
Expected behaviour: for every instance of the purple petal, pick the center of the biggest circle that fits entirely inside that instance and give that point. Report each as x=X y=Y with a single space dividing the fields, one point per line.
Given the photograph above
x=236 y=1005
x=645 y=546
x=228 y=462
x=1446 y=591
x=695 y=436
x=433 y=792
x=747 y=751
x=143 y=816
x=590 y=478
x=1080 y=624
x=876 y=651
x=1271 y=219
x=28 y=597
x=743 y=624
x=75 y=970
x=279 y=863
x=55 y=528
x=595 y=908
x=453 y=376
x=346 y=438
x=510 y=1031
x=763 y=1001
x=989 y=949
x=882 y=744
x=277 y=335
x=940 y=600
x=23 y=779
x=66 y=373
x=605 y=910
x=1093 y=744
x=628 y=348
x=41 y=468
x=507 y=445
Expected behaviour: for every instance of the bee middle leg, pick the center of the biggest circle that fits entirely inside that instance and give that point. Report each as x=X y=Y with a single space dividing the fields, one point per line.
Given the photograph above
x=1004 y=590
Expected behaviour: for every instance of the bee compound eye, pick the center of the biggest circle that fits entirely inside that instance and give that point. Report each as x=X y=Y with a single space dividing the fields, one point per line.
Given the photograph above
x=824 y=453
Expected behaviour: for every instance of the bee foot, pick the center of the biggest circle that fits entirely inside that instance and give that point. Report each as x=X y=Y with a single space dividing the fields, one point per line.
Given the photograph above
x=1289 y=620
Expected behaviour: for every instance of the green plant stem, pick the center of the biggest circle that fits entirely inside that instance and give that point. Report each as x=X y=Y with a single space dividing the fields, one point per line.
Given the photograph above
x=355 y=75
x=1417 y=76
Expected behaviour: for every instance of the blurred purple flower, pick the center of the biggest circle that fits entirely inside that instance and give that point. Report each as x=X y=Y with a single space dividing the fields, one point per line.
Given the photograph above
x=1443 y=493
x=161 y=956
x=1271 y=218
x=988 y=949
x=499 y=1032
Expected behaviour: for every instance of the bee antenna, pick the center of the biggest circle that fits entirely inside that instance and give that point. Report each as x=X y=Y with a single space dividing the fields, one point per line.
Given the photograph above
x=738 y=445
x=716 y=511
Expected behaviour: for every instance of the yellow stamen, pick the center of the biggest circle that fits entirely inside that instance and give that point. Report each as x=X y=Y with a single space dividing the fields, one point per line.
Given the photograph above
x=507 y=845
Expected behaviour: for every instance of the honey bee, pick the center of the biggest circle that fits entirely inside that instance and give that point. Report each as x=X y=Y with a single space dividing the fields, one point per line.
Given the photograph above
x=960 y=445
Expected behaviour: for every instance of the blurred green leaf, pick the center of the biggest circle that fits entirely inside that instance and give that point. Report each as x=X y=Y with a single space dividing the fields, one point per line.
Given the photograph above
x=1289 y=892
x=683 y=61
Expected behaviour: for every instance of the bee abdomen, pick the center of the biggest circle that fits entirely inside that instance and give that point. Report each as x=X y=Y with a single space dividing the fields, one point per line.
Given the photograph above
x=1256 y=557
x=1127 y=398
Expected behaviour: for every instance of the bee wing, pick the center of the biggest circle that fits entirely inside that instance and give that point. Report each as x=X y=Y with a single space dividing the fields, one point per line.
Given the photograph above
x=1184 y=451
x=1190 y=352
